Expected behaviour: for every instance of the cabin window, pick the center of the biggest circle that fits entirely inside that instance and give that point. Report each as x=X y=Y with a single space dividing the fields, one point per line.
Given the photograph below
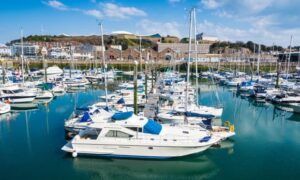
x=185 y=132
x=91 y=134
x=7 y=92
x=118 y=134
x=136 y=129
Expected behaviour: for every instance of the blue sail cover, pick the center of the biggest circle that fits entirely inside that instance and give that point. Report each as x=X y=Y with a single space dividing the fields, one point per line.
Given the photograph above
x=86 y=117
x=106 y=109
x=121 y=116
x=152 y=127
x=207 y=123
x=192 y=114
x=246 y=83
x=121 y=101
x=168 y=82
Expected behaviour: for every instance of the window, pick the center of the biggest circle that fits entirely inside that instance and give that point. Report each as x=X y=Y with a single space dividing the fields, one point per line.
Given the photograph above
x=118 y=134
x=91 y=134
x=136 y=129
x=17 y=91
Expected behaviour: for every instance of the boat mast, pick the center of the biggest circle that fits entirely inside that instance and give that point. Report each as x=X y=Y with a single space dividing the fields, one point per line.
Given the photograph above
x=140 y=48
x=104 y=64
x=196 y=56
x=258 y=59
x=22 y=56
x=188 y=66
x=290 y=53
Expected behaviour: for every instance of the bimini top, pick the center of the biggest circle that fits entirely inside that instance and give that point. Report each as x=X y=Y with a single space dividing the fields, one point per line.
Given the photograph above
x=152 y=127
x=86 y=117
x=121 y=116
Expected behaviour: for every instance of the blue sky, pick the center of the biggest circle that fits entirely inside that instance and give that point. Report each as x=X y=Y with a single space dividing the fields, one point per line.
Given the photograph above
x=263 y=21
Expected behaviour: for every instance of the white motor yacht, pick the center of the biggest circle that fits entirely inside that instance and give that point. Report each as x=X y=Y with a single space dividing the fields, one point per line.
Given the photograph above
x=14 y=94
x=153 y=142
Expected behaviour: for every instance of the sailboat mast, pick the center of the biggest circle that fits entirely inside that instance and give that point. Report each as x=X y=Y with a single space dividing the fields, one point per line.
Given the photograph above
x=290 y=53
x=22 y=56
x=140 y=48
x=104 y=64
x=258 y=59
x=196 y=56
x=188 y=66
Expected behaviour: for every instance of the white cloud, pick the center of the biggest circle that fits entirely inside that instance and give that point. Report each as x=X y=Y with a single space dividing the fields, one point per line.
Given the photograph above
x=224 y=14
x=60 y=6
x=256 y=5
x=93 y=12
x=211 y=4
x=166 y=28
x=115 y=11
x=257 y=33
x=56 y=4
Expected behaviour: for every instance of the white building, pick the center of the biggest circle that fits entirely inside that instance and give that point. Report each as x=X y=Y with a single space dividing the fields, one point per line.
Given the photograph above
x=206 y=38
x=58 y=53
x=5 y=50
x=28 y=49
x=118 y=47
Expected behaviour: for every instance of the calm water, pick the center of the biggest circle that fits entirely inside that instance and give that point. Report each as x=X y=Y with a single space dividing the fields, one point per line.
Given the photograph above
x=267 y=146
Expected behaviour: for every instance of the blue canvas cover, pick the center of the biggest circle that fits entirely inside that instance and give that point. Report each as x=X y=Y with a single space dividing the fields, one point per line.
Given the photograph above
x=106 y=109
x=121 y=101
x=82 y=108
x=205 y=139
x=207 y=123
x=192 y=114
x=246 y=83
x=152 y=127
x=86 y=117
x=121 y=116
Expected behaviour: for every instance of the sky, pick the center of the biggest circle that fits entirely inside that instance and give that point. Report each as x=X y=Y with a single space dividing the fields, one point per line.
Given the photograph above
x=262 y=21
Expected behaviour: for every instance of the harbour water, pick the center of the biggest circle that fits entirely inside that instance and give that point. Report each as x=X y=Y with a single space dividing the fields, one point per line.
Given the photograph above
x=266 y=145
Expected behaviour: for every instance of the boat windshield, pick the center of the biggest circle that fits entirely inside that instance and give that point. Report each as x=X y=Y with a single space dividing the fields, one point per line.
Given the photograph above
x=17 y=91
x=118 y=134
x=91 y=133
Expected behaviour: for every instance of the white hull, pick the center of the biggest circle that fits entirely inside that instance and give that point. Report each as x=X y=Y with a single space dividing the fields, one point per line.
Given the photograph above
x=134 y=151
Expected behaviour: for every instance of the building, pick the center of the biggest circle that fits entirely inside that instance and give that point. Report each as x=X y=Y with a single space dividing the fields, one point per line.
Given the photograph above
x=5 y=50
x=58 y=53
x=201 y=38
x=29 y=49
x=170 y=39
x=181 y=49
x=131 y=54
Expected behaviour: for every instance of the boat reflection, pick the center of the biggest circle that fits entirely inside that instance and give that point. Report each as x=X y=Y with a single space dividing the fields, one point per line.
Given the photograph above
x=188 y=168
x=294 y=117
x=227 y=145
x=8 y=116
x=24 y=106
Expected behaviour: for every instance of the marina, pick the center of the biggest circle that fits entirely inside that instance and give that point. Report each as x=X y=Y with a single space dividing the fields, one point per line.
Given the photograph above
x=34 y=138
x=166 y=102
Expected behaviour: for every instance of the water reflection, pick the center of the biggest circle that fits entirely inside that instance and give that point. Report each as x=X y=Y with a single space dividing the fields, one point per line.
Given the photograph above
x=226 y=145
x=8 y=116
x=294 y=117
x=199 y=167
